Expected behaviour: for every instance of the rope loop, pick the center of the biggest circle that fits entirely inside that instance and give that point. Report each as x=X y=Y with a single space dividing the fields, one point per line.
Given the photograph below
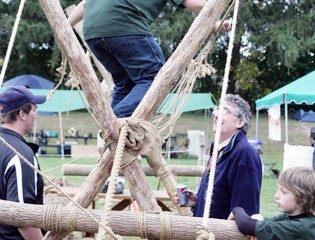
x=166 y=233
x=141 y=225
x=204 y=233
x=52 y=218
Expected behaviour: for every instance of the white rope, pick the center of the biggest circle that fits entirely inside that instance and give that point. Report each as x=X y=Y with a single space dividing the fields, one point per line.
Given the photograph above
x=12 y=38
x=206 y=212
x=197 y=68
x=111 y=187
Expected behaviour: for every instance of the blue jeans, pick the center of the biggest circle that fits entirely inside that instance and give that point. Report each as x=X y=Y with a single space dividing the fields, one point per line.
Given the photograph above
x=133 y=62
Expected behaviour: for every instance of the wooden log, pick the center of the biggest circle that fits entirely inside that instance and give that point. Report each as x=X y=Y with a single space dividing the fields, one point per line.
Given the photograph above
x=101 y=109
x=178 y=170
x=172 y=70
x=123 y=222
x=79 y=63
x=87 y=77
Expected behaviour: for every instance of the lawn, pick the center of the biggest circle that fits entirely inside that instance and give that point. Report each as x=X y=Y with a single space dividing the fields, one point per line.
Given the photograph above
x=299 y=134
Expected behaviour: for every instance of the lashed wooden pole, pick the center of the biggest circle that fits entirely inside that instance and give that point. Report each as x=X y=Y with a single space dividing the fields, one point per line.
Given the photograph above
x=101 y=109
x=177 y=63
x=178 y=170
x=199 y=33
x=121 y=222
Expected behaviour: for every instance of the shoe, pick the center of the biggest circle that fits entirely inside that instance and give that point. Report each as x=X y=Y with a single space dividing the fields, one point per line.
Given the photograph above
x=119 y=187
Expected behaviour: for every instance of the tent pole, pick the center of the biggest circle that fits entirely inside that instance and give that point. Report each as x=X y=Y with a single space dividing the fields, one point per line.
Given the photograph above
x=286 y=119
x=207 y=124
x=61 y=137
x=34 y=132
x=169 y=148
x=257 y=121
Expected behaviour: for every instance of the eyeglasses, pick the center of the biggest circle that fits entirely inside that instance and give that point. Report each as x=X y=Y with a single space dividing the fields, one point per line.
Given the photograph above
x=225 y=111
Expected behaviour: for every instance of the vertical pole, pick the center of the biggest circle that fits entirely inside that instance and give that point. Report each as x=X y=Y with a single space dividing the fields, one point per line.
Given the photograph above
x=61 y=137
x=286 y=119
x=201 y=157
x=257 y=122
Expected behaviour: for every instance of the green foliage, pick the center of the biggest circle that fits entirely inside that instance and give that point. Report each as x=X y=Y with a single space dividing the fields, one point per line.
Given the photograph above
x=33 y=47
x=170 y=27
x=274 y=44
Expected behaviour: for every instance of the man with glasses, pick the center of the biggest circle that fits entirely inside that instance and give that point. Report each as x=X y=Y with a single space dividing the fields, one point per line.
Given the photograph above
x=19 y=182
x=238 y=172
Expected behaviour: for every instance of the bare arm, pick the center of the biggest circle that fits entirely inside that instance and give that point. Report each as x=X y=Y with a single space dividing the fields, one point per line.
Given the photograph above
x=77 y=14
x=31 y=233
x=194 y=5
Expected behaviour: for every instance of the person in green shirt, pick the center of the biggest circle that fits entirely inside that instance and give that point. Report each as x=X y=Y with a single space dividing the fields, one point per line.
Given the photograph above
x=296 y=199
x=119 y=35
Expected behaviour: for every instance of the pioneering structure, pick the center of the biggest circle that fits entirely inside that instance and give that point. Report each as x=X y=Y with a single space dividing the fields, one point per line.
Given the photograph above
x=125 y=139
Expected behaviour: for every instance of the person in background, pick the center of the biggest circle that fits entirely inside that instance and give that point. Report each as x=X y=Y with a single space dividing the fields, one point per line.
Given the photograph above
x=19 y=182
x=100 y=142
x=119 y=35
x=238 y=173
x=296 y=199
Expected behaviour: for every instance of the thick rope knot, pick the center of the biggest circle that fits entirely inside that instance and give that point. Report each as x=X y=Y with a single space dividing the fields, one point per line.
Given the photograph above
x=142 y=138
x=204 y=233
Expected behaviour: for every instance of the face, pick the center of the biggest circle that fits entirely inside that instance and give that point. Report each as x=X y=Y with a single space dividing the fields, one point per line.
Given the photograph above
x=230 y=121
x=286 y=201
x=30 y=119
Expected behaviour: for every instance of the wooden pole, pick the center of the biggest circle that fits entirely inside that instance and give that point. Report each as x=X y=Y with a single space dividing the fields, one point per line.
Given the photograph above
x=178 y=170
x=201 y=158
x=121 y=222
x=87 y=77
x=107 y=77
x=101 y=109
x=171 y=72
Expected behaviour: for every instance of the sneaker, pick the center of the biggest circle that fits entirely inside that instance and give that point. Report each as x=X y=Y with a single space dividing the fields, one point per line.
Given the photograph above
x=119 y=187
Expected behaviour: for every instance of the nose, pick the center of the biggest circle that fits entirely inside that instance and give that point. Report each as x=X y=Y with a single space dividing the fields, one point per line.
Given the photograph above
x=276 y=196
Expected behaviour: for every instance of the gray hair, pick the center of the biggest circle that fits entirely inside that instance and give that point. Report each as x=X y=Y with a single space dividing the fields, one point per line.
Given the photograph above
x=242 y=107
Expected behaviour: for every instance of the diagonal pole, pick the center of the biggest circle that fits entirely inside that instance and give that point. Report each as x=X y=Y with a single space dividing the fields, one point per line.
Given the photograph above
x=101 y=109
x=162 y=85
x=172 y=70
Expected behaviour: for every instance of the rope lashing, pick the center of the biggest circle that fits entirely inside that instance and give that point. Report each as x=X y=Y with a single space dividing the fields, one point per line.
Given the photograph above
x=141 y=225
x=166 y=233
x=52 y=219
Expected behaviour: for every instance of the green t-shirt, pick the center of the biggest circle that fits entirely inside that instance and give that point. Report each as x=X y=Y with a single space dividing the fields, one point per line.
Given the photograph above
x=282 y=228
x=108 y=18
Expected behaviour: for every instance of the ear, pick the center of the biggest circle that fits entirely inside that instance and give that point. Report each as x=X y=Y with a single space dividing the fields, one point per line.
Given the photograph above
x=22 y=114
x=240 y=123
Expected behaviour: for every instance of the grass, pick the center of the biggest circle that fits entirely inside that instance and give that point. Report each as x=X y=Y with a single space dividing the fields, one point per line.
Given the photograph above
x=299 y=134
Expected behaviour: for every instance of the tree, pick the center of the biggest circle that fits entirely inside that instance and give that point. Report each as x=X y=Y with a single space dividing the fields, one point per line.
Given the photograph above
x=279 y=40
x=274 y=44
x=34 y=45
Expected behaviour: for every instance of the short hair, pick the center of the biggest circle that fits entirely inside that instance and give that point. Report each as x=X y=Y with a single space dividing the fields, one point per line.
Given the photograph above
x=9 y=117
x=243 y=109
x=300 y=181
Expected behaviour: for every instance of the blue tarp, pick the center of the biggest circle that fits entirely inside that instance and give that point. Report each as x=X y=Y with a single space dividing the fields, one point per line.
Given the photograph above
x=303 y=116
x=30 y=81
